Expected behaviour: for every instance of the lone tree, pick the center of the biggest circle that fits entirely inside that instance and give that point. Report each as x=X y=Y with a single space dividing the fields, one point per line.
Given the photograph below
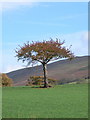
x=43 y=52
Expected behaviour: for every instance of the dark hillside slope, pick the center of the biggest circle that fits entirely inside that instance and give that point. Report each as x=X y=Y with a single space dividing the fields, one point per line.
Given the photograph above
x=63 y=71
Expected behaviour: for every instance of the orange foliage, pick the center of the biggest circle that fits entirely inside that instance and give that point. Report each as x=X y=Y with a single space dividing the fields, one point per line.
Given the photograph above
x=39 y=80
x=43 y=51
x=5 y=80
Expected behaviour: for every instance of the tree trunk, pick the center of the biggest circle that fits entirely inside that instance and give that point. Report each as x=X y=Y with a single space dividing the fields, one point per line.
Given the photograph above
x=45 y=75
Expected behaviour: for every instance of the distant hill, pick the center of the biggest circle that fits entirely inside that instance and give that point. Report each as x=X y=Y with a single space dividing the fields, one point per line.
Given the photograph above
x=64 y=71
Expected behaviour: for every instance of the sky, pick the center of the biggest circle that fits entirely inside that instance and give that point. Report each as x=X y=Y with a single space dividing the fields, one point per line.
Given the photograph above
x=37 y=21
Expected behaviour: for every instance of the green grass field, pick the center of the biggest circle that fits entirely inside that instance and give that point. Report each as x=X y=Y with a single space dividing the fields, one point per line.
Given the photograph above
x=62 y=101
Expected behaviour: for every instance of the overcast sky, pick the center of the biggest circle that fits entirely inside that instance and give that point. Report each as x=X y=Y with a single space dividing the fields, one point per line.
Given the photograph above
x=32 y=21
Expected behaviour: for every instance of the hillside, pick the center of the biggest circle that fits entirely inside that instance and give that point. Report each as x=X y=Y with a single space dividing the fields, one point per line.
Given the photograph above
x=64 y=71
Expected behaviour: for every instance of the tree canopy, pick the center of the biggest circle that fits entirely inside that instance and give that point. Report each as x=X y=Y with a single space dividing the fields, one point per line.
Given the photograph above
x=43 y=52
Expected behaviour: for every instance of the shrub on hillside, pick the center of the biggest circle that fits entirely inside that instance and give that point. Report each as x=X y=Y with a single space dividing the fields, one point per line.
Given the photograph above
x=5 y=80
x=39 y=80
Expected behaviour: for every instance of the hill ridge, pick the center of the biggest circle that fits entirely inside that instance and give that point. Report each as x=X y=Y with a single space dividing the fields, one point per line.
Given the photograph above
x=62 y=70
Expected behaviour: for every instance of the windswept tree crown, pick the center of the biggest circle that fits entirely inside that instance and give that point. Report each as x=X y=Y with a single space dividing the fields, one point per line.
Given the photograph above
x=43 y=51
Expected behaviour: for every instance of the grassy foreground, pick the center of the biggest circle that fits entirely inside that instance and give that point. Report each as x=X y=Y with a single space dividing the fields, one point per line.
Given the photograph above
x=66 y=101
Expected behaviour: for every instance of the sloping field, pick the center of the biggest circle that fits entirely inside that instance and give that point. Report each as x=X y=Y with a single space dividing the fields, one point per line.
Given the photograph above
x=62 y=101
x=63 y=71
